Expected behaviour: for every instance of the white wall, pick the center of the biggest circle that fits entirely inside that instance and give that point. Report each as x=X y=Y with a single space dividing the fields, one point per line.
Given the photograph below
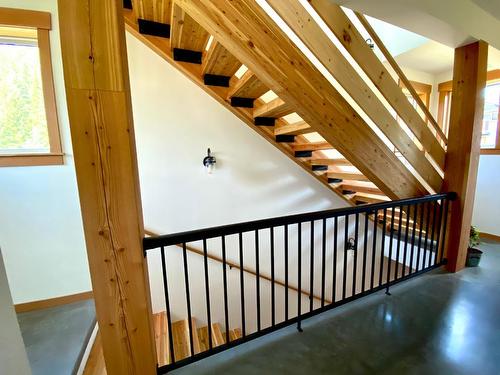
x=487 y=201
x=41 y=231
x=13 y=355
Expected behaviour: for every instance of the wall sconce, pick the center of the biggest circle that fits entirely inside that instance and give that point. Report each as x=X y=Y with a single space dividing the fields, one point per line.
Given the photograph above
x=370 y=43
x=351 y=244
x=209 y=162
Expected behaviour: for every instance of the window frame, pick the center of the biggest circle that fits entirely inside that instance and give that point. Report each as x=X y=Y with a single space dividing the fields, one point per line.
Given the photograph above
x=445 y=91
x=41 y=21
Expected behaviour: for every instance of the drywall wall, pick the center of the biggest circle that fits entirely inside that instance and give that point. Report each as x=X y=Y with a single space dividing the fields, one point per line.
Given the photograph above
x=13 y=355
x=41 y=231
x=487 y=200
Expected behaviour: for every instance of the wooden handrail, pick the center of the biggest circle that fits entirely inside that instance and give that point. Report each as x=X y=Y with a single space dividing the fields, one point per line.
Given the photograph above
x=231 y=264
x=401 y=76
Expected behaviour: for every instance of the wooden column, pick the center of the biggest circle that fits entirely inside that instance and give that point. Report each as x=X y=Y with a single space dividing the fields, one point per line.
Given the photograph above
x=462 y=159
x=99 y=105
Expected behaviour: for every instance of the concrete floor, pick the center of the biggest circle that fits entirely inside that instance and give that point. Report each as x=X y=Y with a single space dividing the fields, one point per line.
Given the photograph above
x=438 y=323
x=55 y=338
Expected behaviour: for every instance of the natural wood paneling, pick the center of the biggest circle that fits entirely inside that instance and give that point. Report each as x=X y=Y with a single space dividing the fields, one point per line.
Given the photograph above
x=356 y=45
x=299 y=20
x=253 y=37
x=219 y=61
x=248 y=86
x=100 y=114
x=185 y=32
x=464 y=142
x=275 y=108
x=312 y=146
x=293 y=129
x=153 y=10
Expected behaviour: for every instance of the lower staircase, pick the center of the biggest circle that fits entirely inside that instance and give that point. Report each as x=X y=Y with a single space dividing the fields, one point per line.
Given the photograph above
x=181 y=342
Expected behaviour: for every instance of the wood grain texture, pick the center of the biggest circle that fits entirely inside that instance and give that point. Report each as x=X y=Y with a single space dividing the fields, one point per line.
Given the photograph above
x=153 y=10
x=406 y=82
x=185 y=32
x=299 y=20
x=355 y=44
x=25 y=18
x=248 y=86
x=275 y=108
x=253 y=37
x=99 y=107
x=219 y=61
x=464 y=142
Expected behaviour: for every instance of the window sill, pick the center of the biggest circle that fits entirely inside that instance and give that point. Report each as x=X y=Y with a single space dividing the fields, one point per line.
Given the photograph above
x=490 y=151
x=26 y=160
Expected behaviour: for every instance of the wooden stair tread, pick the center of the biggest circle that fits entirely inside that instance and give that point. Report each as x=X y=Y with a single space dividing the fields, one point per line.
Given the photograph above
x=348 y=176
x=275 y=108
x=180 y=336
x=369 y=198
x=248 y=86
x=161 y=338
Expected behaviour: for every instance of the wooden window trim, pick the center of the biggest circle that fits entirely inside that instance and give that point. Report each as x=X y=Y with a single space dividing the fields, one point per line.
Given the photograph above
x=445 y=88
x=41 y=21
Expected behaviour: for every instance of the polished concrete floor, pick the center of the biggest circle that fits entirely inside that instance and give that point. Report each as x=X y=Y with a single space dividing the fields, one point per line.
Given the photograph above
x=438 y=323
x=55 y=338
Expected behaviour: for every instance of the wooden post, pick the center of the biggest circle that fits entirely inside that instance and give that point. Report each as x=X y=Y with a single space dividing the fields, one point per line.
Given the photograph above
x=99 y=105
x=464 y=142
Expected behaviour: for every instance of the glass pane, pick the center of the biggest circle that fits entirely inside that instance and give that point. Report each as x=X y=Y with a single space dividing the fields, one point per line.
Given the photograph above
x=490 y=116
x=23 y=125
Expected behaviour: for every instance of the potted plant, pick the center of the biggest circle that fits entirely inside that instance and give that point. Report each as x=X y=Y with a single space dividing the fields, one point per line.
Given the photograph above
x=473 y=254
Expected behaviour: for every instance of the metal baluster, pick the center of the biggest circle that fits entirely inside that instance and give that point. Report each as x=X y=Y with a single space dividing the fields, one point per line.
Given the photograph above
x=323 y=255
x=257 y=277
x=389 y=259
x=299 y=280
x=188 y=298
x=167 y=304
x=398 y=248
x=365 y=249
x=286 y=272
x=433 y=232
x=382 y=248
x=207 y=295
x=414 y=228
x=311 y=272
x=224 y=279
x=405 y=250
x=445 y=225
x=420 y=235
x=273 y=302
x=242 y=285
x=346 y=241
x=374 y=249
x=355 y=263
x=426 y=244
x=438 y=237
x=335 y=232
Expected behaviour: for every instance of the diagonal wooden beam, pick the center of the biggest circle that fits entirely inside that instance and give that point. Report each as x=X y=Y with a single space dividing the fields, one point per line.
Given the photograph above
x=401 y=75
x=300 y=21
x=254 y=38
x=353 y=41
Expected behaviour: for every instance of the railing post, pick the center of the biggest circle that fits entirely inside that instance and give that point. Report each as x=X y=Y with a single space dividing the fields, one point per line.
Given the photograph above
x=100 y=113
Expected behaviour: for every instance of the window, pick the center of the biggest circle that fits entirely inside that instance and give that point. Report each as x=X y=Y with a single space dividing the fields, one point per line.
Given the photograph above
x=490 y=135
x=29 y=130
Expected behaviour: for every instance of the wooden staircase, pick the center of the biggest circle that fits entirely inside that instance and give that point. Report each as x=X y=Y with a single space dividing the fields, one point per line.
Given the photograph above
x=181 y=344
x=351 y=160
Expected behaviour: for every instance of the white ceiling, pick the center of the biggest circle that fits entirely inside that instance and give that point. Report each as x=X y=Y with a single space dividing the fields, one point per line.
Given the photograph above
x=431 y=57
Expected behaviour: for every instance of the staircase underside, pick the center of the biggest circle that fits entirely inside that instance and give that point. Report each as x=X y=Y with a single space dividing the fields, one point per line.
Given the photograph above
x=316 y=127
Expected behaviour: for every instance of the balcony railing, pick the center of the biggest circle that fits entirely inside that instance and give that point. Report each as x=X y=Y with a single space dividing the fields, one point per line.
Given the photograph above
x=293 y=267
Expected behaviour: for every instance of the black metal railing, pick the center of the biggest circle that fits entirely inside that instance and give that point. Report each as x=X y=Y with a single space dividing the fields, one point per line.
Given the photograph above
x=317 y=261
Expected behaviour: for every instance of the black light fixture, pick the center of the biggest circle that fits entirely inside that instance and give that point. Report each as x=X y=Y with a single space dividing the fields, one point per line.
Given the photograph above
x=370 y=43
x=209 y=162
